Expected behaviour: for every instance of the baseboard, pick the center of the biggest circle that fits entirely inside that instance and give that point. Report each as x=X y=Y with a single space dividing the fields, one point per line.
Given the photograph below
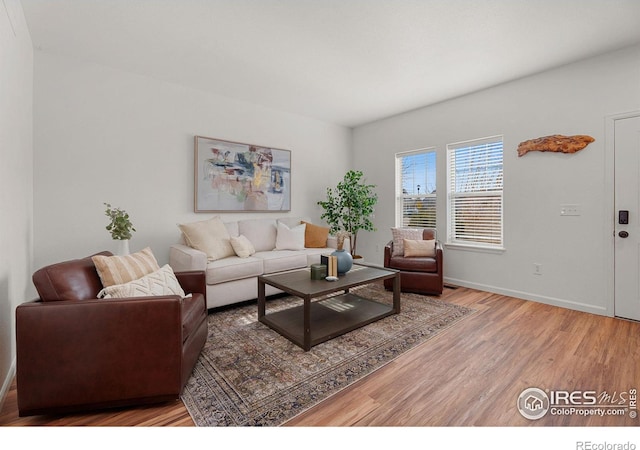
x=7 y=383
x=561 y=303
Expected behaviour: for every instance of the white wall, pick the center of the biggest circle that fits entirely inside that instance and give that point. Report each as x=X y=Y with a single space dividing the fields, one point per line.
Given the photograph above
x=16 y=177
x=103 y=135
x=574 y=99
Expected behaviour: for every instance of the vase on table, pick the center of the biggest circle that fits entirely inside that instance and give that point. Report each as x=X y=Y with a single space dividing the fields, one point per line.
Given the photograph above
x=122 y=246
x=345 y=261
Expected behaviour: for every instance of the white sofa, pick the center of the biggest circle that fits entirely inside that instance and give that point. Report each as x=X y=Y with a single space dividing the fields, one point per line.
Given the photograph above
x=233 y=279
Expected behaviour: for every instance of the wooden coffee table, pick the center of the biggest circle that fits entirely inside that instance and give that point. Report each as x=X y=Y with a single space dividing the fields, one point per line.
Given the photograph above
x=318 y=321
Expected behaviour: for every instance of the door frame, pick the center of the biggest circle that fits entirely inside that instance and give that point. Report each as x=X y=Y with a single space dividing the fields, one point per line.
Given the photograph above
x=609 y=224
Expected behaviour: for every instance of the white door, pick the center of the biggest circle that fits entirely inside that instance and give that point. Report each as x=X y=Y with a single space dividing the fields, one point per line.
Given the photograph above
x=627 y=203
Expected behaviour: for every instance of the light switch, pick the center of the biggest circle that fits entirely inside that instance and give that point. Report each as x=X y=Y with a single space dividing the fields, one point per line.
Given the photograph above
x=570 y=210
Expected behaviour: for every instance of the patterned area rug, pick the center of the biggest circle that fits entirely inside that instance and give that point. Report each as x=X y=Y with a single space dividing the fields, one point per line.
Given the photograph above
x=249 y=375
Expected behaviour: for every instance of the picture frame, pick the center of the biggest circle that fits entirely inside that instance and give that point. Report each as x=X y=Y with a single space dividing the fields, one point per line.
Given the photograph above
x=237 y=177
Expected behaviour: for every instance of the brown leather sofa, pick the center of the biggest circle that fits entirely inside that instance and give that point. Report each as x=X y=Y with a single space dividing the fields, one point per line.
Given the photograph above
x=421 y=275
x=76 y=352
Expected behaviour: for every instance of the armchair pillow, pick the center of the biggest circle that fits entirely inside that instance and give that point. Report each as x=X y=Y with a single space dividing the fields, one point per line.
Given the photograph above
x=400 y=234
x=416 y=248
x=122 y=269
x=158 y=283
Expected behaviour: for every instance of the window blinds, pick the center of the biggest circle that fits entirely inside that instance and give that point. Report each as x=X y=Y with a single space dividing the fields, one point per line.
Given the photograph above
x=416 y=189
x=475 y=192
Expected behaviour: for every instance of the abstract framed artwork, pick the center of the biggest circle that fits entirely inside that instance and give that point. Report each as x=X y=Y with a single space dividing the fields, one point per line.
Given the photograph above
x=236 y=177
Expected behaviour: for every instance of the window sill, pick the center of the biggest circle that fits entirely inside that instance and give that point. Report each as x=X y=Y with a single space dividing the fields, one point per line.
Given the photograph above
x=475 y=248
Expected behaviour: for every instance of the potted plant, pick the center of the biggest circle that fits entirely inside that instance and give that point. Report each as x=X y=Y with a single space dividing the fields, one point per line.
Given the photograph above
x=120 y=227
x=349 y=207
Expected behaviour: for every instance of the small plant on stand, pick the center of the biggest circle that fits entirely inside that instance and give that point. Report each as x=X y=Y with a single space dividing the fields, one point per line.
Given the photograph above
x=120 y=227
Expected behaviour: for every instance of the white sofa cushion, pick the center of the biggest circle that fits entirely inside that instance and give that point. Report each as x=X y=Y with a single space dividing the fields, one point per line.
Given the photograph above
x=290 y=238
x=281 y=260
x=261 y=232
x=233 y=268
x=232 y=228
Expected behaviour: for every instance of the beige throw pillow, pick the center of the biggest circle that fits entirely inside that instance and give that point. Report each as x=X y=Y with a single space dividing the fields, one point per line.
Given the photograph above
x=122 y=269
x=419 y=248
x=209 y=236
x=242 y=246
x=399 y=234
x=158 y=283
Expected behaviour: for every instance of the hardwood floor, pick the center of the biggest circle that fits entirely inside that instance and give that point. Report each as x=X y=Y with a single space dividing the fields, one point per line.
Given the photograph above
x=469 y=375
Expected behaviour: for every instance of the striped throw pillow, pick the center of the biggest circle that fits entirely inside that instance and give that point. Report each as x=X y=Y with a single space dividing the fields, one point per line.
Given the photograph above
x=122 y=269
x=159 y=283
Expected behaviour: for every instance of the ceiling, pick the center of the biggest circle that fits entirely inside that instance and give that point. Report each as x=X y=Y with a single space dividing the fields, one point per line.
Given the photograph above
x=347 y=62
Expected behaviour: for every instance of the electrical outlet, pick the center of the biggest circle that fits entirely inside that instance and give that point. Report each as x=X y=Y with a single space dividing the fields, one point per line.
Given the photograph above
x=537 y=269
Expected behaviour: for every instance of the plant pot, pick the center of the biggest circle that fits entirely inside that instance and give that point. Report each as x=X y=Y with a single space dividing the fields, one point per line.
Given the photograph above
x=122 y=246
x=345 y=261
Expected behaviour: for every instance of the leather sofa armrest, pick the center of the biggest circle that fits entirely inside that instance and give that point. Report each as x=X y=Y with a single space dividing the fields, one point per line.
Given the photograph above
x=439 y=253
x=94 y=352
x=183 y=258
x=388 y=250
x=193 y=281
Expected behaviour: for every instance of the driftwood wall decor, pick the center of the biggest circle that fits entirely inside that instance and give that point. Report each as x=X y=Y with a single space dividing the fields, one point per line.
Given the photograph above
x=555 y=143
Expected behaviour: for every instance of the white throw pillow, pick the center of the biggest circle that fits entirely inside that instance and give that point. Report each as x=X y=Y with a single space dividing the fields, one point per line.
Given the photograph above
x=210 y=236
x=260 y=232
x=158 y=283
x=242 y=246
x=399 y=234
x=290 y=238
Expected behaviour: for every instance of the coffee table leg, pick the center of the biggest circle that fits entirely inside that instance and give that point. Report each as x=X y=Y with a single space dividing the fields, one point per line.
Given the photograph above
x=307 y=324
x=261 y=299
x=396 y=293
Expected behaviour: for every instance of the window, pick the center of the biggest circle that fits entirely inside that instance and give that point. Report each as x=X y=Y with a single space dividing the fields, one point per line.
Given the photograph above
x=416 y=189
x=475 y=193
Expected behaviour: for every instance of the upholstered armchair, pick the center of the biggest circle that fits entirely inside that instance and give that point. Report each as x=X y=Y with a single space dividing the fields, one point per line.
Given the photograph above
x=77 y=352
x=419 y=259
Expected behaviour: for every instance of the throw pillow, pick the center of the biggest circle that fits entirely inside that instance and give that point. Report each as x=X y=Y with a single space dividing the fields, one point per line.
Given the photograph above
x=242 y=246
x=209 y=236
x=315 y=236
x=419 y=248
x=122 y=269
x=158 y=283
x=261 y=232
x=290 y=238
x=399 y=234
